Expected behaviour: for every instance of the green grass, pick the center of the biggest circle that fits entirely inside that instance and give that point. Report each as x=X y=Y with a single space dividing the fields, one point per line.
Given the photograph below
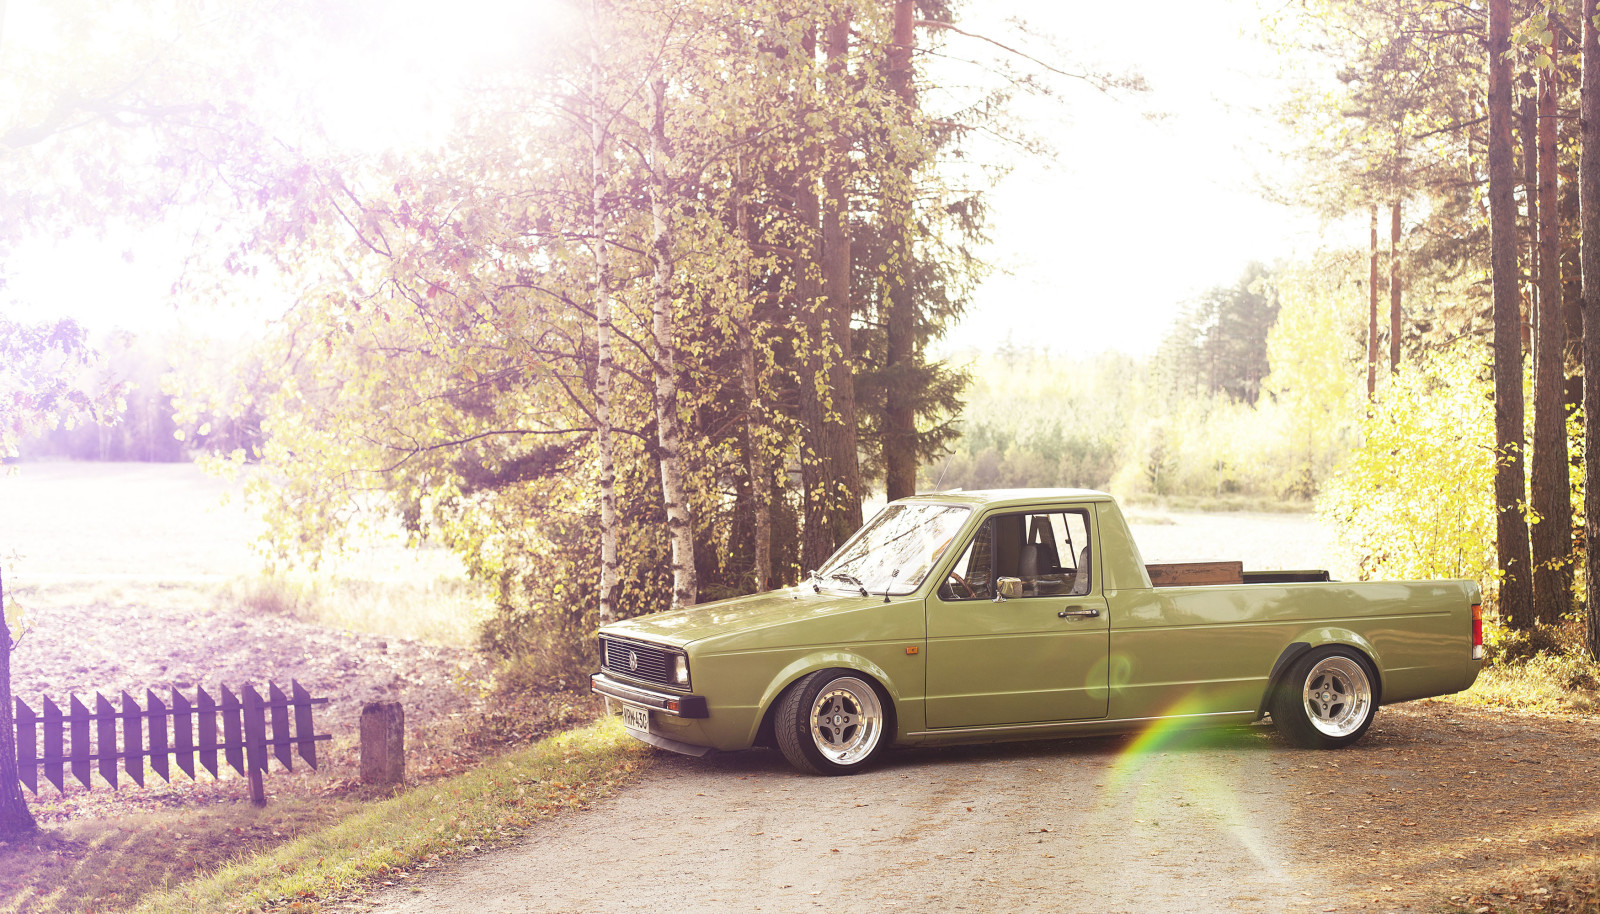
x=1545 y=670
x=106 y=863
x=1544 y=684
x=493 y=803
x=305 y=845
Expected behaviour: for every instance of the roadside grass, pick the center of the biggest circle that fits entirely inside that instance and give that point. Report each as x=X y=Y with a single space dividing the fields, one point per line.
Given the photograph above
x=445 y=611
x=107 y=864
x=417 y=829
x=1545 y=670
x=1543 y=684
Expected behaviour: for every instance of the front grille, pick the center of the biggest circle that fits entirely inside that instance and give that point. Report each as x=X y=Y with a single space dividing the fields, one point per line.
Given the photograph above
x=648 y=662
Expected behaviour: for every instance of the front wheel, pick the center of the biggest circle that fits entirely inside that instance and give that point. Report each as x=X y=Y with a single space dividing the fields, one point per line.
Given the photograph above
x=831 y=722
x=1327 y=700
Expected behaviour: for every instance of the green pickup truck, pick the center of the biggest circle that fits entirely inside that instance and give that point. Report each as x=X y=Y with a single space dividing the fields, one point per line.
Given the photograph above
x=1001 y=615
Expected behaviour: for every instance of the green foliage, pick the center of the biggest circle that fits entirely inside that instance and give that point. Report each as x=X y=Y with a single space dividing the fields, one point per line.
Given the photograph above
x=46 y=381
x=1037 y=418
x=1271 y=427
x=440 y=362
x=1415 y=498
x=1218 y=343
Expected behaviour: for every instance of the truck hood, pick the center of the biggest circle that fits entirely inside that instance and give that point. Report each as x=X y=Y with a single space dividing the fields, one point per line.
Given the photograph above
x=740 y=614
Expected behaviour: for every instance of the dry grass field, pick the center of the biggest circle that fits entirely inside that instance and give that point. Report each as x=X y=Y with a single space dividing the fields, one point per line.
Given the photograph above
x=139 y=576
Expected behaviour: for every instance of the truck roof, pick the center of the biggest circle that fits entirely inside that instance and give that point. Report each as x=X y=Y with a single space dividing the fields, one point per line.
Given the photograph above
x=1008 y=497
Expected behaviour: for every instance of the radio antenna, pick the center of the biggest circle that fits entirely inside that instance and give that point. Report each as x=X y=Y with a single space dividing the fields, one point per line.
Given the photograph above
x=937 y=485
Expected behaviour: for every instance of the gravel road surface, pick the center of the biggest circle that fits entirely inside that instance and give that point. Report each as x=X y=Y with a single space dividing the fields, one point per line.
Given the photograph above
x=1104 y=825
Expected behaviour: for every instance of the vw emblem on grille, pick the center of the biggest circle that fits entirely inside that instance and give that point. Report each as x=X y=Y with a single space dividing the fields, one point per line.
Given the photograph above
x=633 y=661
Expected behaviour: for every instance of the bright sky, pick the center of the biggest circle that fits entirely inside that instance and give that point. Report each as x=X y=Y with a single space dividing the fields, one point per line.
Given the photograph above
x=1101 y=247
x=1095 y=249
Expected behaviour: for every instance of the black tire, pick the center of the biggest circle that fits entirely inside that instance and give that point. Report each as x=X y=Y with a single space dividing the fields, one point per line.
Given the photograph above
x=1327 y=699
x=833 y=722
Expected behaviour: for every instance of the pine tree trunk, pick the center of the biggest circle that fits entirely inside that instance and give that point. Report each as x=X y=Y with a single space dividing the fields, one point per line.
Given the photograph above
x=1589 y=233
x=664 y=362
x=816 y=542
x=1372 y=308
x=755 y=412
x=1530 y=195
x=900 y=415
x=1552 y=495
x=15 y=820
x=845 y=516
x=1394 y=287
x=609 y=561
x=829 y=467
x=1511 y=528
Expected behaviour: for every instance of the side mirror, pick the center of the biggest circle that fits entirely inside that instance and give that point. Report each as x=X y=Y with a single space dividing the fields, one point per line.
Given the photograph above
x=1007 y=589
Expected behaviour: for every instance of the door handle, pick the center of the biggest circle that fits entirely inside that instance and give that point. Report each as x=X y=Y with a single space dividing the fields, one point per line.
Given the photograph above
x=1080 y=613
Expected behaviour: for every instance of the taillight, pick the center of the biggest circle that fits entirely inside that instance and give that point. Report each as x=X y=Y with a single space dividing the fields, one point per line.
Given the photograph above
x=1477 y=631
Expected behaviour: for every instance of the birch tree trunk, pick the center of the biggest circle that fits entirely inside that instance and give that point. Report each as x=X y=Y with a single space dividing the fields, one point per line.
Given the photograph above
x=1394 y=287
x=15 y=819
x=1589 y=261
x=900 y=418
x=1552 y=496
x=664 y=360
x=609 y=562
x=1372 y=308
x=1511 y=528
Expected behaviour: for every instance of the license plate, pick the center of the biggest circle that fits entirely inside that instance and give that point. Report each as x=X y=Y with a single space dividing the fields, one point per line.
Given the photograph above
x=636 y=718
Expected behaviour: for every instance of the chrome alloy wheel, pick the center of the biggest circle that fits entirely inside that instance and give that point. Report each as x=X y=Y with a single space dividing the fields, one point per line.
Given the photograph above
x=846 y=720
x=1338 y=695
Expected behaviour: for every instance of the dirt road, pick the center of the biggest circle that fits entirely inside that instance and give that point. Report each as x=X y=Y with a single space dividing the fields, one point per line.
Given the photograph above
x=1437 y=801
x=1086 y=825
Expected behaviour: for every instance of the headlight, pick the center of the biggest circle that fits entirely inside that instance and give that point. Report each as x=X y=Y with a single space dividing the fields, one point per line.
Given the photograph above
x=680 y=670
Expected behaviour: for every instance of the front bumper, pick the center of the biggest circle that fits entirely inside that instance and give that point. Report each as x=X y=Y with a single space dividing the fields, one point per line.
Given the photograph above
x=690 y=706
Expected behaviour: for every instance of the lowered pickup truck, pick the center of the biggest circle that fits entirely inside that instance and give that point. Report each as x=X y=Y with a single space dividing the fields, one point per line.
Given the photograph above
x=999 y=615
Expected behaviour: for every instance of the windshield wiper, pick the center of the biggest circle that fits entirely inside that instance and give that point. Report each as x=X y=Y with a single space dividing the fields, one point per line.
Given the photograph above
x=850 y=579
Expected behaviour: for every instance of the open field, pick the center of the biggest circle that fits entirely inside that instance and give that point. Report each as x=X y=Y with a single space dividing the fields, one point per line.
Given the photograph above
x=134 y=577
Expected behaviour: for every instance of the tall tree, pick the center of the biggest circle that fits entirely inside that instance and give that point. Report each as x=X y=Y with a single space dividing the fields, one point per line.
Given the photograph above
x=1589 y=254
x=1372 y=304
x=605 y=443
x=1510 y=480
x=1551 y=553
x=900 y=419
x=1395 y=332
x=664 y=354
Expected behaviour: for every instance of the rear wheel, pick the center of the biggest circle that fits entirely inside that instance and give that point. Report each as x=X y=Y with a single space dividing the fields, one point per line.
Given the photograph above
x=831 y=722
x=1327 y=700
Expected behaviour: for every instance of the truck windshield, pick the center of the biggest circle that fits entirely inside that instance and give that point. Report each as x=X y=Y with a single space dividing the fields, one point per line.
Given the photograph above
x=895 y=550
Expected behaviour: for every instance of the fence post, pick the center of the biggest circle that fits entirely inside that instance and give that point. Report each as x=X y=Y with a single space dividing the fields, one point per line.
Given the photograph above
x=383 y=743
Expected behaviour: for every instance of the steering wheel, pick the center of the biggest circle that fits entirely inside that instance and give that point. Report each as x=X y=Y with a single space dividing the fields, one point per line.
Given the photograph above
x=971 y=594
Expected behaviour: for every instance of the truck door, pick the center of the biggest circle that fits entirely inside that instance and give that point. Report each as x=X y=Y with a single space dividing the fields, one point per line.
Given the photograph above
x=1035 y=658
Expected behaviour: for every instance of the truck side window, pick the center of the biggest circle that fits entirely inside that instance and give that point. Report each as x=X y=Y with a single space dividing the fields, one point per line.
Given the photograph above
x=969 y=578
x=1048 y=550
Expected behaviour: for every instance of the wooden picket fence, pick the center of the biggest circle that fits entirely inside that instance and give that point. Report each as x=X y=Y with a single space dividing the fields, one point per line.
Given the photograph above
x=244 y=743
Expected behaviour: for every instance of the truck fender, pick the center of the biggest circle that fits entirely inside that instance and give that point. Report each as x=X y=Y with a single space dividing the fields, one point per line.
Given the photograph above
x=1313 y=639
x=822 y=660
